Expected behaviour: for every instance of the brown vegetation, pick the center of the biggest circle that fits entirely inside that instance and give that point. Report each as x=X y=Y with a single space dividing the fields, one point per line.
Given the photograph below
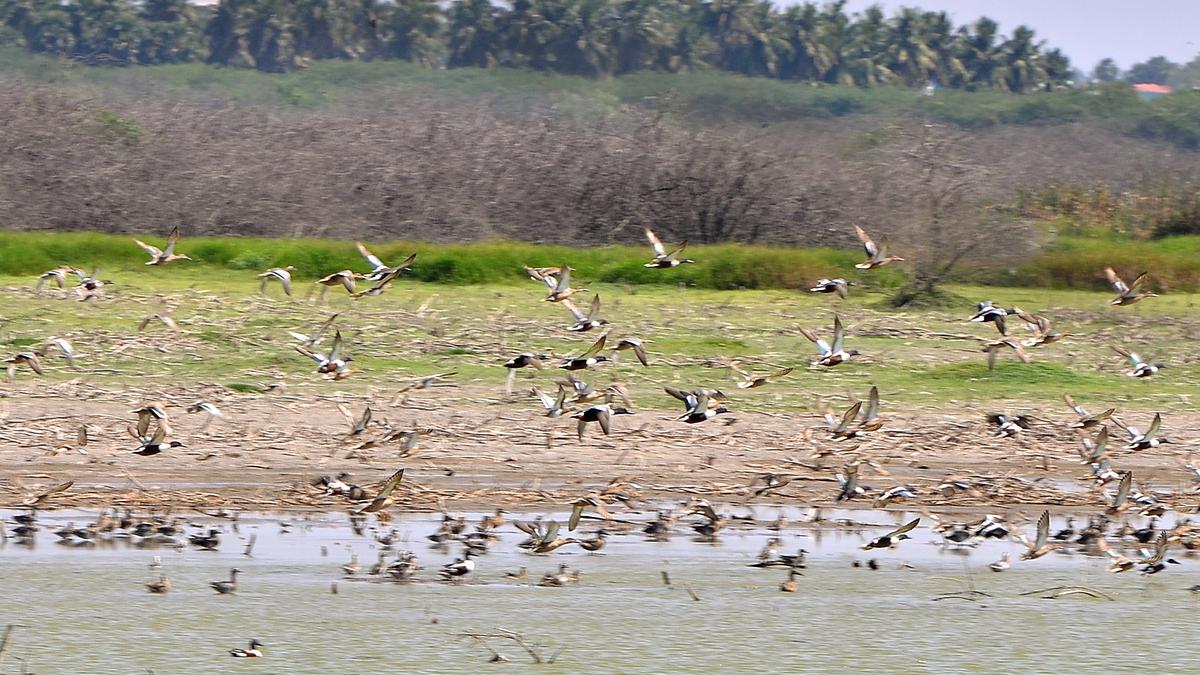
x=441 y=171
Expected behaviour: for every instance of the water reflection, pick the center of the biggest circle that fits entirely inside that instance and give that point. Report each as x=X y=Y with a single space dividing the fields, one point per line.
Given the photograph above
x=85 y=607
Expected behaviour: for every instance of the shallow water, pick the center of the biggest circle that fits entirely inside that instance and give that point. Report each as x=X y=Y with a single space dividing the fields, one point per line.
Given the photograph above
x=85 y=610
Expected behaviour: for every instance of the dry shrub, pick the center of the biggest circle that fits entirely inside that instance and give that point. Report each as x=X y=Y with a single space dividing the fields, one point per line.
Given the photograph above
x=441 y=170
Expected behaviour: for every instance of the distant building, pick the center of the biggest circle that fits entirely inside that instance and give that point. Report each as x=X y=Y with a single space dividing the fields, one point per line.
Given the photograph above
x=1149 y=92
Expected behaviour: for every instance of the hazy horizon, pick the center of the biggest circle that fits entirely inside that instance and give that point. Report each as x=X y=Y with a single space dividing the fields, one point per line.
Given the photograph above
x=1085 y=31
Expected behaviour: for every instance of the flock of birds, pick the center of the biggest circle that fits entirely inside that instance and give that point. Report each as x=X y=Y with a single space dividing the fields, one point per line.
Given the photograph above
x=596 y=406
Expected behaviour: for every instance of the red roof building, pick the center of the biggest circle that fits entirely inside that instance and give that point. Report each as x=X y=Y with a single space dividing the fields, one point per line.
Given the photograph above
x=1147 y=91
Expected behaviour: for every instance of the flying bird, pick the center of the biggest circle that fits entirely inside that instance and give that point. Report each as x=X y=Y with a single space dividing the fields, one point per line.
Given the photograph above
x=664 y=259
x=877 y=254
x=166 y=255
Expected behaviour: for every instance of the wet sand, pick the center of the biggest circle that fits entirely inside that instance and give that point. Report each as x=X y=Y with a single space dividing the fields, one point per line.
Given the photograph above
x=480 y=449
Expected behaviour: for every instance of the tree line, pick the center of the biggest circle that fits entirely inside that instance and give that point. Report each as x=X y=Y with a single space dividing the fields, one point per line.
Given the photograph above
x=592 y=38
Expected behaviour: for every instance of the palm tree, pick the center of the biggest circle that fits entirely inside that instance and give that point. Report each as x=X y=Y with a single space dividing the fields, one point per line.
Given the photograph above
x=806 y=56
x=44 y=25
x=865 y=57
x=268 y=34
x=909 y=55
x=529 y=34
x=315 y=28
x=944 y=43
x=742 y=32
x=1022 y=66
x=980 y=55
x=411 y=30
x=837 y=34
x=639 y=34
x=474 y=34
x=224 y=39
x=170 y=34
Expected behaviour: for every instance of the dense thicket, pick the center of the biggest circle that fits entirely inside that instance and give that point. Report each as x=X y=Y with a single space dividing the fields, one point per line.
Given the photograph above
x=412 y=166
x=804 y=42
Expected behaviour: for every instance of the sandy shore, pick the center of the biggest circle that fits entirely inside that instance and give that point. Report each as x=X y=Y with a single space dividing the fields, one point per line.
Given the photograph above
x=481 y=451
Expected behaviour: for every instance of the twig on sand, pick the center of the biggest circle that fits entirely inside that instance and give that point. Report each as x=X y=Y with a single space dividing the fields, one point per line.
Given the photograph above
x=1063 y=591
x=504 y=634
x=5 y=641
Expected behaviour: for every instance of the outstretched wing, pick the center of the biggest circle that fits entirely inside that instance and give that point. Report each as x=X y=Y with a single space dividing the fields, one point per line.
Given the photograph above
x=335 y=352
x=868 y=244
x=1043 y=530
x=596 y=347
x=375 y=262
x=390 y=485
x=1115 y=281
x=579 y=316
x=564 y=280
x=172 y=239
x=407 y=263
x=659 y=250
x=545 y=398
x=1139 y=281
x=1154 y=426
x=872 y=405
x=839 y=334
x=154 y=252
x=681 y=249
x=905 y=528
x=822 y=345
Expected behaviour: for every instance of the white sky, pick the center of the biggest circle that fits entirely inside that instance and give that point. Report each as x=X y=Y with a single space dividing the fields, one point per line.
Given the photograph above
x=1086 y=30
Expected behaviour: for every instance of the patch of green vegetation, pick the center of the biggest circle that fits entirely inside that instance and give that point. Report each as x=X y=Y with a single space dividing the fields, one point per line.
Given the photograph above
x=703 y=95
x=118 y=129
x=456 y=351
x=240 y=338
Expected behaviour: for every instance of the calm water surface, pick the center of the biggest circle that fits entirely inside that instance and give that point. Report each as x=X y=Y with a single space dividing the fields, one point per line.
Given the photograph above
x=85 y=610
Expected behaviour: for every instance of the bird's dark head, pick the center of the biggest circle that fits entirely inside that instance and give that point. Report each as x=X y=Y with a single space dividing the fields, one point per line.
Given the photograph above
x=256 y=643
x=1164 y=439
x=1173 y=561
x=853 y=352
x=721 y=409
x=1160 y=365
x=177 y=444
x=902 y=536
x=618 y=410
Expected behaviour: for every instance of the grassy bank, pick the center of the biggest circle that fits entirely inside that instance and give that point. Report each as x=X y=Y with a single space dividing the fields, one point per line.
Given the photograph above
x=232 y=336
x=722 y=267
x=1067 y=263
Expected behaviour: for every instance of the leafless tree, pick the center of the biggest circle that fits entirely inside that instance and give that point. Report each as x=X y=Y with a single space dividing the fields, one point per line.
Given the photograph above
x=945 y=208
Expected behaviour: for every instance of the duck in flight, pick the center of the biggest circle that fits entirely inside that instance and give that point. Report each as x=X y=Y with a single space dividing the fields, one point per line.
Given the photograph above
x=831 y=354
x=166 y=255
x=587 y=359
x=1127 y=294
x=378 y=269
x=877 y=254
x=839 y=286
x=664 y=259
x=281 y=274
x=1139 y=367
x=589 y=321
x=336 y=365
x=894 y=537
